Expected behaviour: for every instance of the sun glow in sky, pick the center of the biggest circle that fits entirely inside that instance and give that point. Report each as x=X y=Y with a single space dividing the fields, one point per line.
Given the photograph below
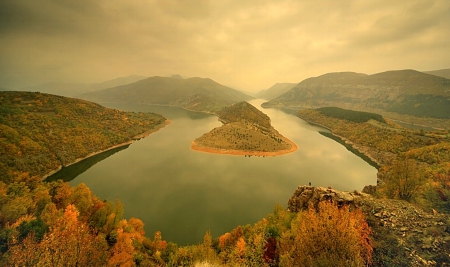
x=248 y=45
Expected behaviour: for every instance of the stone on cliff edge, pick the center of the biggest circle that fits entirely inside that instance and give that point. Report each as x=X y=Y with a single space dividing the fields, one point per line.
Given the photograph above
x=305 y=196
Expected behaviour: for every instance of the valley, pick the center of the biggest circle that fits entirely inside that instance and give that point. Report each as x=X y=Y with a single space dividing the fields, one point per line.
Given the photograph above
x=206 y=192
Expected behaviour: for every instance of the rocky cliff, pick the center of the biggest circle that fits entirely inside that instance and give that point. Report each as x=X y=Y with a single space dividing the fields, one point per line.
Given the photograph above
x=400 y=229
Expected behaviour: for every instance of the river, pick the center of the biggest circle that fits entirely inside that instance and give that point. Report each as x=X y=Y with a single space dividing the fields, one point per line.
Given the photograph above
x=183 y=193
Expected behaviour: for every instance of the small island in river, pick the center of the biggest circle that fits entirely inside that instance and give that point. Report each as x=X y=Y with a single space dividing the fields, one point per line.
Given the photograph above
x=245 y=131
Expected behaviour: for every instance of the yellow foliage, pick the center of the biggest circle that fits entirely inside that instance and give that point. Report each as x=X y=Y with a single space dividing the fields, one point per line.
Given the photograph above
x=331 y=236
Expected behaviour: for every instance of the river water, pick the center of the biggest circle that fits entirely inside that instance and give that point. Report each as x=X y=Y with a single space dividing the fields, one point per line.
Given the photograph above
x=183 y=193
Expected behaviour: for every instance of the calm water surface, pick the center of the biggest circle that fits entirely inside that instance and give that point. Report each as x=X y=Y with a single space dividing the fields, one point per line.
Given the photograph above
x=183 y=193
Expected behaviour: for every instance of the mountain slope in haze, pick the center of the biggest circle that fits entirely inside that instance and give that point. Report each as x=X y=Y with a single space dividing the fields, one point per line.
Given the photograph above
x=75 y=89
x=198 y=94
x=40 y=132
x=403 y=92
x=444 y=73
x=245 y=131
x=275 y=91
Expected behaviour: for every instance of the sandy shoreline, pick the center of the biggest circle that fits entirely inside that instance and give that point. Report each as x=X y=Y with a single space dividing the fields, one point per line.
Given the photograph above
x=133 y=139
x=213 y=150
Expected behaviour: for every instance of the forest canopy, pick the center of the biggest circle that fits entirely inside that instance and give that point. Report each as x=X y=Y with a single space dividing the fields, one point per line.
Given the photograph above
x=350 y=115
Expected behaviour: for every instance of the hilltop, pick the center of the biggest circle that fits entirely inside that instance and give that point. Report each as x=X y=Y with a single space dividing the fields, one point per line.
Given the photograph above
x=40 y=133
x=405 y=95
x=197 y=94
x=246 y=131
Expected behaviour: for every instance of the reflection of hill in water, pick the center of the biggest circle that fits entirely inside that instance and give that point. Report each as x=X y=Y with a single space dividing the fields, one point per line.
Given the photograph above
x=69 y=173
x=196 y=115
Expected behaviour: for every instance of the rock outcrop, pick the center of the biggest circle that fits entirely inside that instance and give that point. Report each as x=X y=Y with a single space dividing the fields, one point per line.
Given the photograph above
x=423 y=237
x=305 y=196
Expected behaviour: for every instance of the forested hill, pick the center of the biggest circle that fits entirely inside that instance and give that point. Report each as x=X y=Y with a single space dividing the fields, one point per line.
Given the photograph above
x=350 y=115
x=198 y=94
x=395 y=94
x=243 y=111
x=40 y=132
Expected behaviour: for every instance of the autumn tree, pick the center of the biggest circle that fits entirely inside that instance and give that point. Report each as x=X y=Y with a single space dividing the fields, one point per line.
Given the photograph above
x=403 y=180
x=328 y=236
x=69 y=242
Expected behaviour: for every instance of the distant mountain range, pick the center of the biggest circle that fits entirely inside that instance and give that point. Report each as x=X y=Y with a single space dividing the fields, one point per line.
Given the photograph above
x=75 y=89
x=404 y=92
x=445 y=73
x=198 y=94
x=275 y=91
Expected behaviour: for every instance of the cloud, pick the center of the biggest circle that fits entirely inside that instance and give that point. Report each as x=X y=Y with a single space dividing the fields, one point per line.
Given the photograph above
x=246 y=44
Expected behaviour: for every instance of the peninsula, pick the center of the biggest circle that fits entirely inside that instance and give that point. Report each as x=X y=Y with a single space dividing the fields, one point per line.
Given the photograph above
x=245 y=131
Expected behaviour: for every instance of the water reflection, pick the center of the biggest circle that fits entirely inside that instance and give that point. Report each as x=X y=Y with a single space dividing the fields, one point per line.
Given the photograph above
x=70 y=172
x=183 y=193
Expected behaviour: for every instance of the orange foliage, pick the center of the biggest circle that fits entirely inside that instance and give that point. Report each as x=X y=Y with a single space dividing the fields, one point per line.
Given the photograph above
x=330 y=236
x=223 y=240
x=68 y=243
x=240 y=247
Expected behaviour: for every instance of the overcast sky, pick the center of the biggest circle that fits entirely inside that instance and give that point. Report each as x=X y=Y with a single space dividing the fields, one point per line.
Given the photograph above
x=245 y=44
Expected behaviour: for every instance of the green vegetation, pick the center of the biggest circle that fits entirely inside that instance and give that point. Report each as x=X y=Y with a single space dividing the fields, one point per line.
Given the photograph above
x=413 y=165
x=40 y=132
x=350 y=115
x=405 y=95
x=423 y=105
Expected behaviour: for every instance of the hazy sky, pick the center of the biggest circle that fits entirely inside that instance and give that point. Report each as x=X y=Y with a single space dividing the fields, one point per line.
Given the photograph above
x=246 y=44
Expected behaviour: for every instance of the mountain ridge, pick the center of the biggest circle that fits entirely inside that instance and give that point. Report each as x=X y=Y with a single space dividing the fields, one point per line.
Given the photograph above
x=172 y=92
x=398 y=94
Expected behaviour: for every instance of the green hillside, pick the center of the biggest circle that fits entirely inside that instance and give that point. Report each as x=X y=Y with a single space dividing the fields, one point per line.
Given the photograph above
x=350 y=115
x=396 y=94
x=40 y=132
x=173 y=91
